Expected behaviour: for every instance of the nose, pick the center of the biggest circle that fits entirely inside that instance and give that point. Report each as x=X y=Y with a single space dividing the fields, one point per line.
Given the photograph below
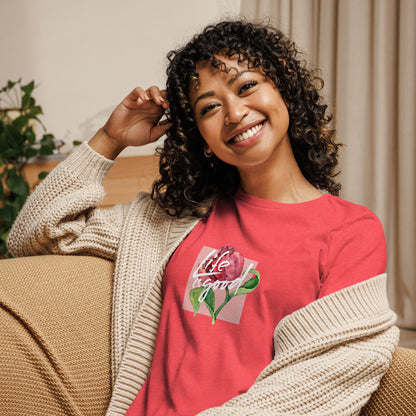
x=235 y=111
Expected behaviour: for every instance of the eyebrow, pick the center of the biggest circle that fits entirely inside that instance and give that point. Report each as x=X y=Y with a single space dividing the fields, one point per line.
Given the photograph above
x=202 y=96
x=229 y=82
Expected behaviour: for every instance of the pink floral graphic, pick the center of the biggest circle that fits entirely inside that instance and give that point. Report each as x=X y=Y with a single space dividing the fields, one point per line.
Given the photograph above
x=226 y=264
x=221 y=270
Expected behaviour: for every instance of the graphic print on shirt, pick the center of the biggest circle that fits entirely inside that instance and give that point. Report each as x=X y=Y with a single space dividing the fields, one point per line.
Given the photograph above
x=219 y=282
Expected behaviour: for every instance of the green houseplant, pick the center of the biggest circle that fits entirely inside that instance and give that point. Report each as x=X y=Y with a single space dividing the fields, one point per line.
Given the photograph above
x=19 y=116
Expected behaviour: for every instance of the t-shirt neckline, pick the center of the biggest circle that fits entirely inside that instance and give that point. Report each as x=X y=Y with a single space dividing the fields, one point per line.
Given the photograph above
x=259 y=202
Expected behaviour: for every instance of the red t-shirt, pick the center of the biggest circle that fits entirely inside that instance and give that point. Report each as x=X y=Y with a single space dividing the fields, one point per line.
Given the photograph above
x=232 y=280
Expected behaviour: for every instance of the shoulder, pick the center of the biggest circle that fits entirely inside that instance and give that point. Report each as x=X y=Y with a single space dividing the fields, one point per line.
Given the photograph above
x=343 y=214
x=356 y=247
x=354 y=228
x=145 y=210
x=346 y=208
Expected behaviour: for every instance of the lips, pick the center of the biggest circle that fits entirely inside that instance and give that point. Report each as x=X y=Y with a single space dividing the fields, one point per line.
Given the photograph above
x=246 y=132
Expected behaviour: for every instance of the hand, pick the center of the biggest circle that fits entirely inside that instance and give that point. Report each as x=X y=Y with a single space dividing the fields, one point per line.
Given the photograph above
x=134 y=122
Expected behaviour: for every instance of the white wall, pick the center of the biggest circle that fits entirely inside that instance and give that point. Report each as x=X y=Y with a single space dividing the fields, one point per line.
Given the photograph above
x=86 y=55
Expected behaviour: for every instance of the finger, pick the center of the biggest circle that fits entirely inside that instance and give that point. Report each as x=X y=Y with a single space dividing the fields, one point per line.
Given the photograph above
x=159 y=130
x=137 y=96
x=166 y=103
x=140 y=95
x=143 y=97
x=159 y=96
x=156 y=95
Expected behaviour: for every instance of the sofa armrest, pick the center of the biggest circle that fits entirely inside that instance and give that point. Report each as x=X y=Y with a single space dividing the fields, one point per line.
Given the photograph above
x=55 y=315
x=396 y=395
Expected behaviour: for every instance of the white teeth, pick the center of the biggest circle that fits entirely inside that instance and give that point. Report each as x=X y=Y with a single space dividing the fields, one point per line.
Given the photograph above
x=247 y=134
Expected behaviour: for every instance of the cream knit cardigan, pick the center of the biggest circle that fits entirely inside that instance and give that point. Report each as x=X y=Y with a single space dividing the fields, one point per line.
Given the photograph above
x=329 y=356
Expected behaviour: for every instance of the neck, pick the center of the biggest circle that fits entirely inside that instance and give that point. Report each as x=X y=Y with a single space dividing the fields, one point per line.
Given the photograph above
x=279 y=180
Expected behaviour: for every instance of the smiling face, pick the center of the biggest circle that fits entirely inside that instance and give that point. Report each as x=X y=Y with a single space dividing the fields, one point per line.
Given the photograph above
x=240 y=114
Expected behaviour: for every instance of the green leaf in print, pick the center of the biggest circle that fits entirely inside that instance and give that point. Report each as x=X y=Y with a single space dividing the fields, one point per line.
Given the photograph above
x=250 y=285
x=194 y=295
x=210 y=301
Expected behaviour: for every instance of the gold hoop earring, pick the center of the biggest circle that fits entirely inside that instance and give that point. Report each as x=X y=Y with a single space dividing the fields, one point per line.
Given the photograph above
x=207 y=154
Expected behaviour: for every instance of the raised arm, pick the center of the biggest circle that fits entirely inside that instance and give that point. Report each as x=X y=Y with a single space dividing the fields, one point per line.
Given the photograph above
x=60 y=216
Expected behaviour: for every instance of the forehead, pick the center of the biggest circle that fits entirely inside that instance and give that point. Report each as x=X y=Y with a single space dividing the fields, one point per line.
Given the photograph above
x=229 y=68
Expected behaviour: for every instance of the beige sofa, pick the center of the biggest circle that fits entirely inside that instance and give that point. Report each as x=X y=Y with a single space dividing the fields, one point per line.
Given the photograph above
x=55 y=342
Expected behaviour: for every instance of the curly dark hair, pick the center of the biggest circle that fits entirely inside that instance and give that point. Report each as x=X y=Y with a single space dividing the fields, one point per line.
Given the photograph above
x=187 y=177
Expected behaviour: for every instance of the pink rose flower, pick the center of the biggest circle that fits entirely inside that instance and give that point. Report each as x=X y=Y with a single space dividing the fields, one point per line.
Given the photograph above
x=226 y=264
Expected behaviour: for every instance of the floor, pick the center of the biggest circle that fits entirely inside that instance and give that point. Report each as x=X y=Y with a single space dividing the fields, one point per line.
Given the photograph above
x=408 y=338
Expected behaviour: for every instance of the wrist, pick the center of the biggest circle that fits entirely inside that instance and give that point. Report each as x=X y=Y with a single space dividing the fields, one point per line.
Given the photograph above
x=103 y=144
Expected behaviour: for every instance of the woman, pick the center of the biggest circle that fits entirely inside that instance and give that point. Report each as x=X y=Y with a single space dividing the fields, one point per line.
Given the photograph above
x=241 y=285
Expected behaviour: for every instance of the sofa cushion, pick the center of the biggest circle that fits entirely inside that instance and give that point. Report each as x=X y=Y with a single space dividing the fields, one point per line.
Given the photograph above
x=396 y=395
x=55 y=314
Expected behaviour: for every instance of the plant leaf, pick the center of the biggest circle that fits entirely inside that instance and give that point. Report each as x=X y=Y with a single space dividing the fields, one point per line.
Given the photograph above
x=9 y=86
x=35 y=111
x=5 y=234
x=43 y=175
x=10 y=153
x=16 y=203
x=28 y=88
x=3 y=141
x=13 y=136
x=31 y=152
x=3 y=247
x=18 y=185
x=250 y=285
x=8 y=214
x=28 y=102
x=30 y=135
x=47 y=144
x=20 y=121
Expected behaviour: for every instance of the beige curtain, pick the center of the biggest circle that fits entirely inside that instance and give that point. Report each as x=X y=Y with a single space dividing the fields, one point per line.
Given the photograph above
x=367 y=52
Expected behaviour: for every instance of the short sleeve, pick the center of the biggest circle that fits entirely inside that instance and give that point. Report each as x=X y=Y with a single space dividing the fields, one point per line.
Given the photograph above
x=356 y=252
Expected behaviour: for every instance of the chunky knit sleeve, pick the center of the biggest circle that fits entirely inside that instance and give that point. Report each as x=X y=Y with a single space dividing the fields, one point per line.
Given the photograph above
x=329 y=357
x=60 y=216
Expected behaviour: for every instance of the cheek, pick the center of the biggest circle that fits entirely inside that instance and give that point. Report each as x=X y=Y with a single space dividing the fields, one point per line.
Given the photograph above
x=209 y=131
x=284 y=114
x=279 y=109
x=274 y=99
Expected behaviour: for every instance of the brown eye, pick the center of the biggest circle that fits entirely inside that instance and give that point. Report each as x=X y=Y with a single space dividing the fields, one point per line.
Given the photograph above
x=246 y=86
x=207 y=108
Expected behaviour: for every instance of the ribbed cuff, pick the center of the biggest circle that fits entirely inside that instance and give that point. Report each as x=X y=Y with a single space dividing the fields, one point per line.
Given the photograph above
x=87 y=164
